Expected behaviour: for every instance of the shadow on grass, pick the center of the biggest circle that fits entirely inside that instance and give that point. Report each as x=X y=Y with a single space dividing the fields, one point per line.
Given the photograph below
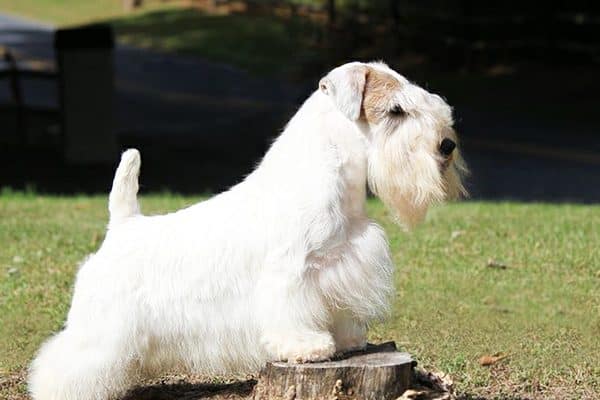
x=185 y=391
x=260 y=44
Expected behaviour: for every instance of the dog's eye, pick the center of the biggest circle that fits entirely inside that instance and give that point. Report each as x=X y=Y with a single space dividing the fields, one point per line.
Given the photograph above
x=397 y=110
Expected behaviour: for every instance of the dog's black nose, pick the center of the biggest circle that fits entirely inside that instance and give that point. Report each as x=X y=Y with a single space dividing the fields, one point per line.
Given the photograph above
x=447 y=146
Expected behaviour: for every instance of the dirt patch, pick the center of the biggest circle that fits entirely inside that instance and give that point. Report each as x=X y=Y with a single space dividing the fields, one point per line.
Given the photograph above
x=12 y=386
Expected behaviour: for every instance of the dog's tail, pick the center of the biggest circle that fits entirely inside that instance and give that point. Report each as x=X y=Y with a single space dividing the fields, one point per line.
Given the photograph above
x=68 y=367
x=122 y=201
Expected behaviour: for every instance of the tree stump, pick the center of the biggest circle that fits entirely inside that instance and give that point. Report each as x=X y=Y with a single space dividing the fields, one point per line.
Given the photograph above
x=379 y=372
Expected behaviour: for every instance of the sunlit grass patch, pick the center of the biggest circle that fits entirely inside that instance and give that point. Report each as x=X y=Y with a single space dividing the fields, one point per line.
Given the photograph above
x=256 y=43
x=452 y=306
x=259 y=44
x=542 y=311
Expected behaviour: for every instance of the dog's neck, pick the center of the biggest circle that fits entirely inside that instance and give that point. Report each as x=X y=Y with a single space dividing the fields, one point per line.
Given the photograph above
x=309 y=157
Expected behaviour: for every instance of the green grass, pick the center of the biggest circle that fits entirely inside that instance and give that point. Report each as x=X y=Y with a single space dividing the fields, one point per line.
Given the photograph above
x=260 y=44
x=73 y=12
x=543 y=310
x=255 y=43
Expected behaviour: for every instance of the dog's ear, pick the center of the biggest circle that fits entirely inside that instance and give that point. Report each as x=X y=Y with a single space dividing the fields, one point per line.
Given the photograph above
x=345 y=86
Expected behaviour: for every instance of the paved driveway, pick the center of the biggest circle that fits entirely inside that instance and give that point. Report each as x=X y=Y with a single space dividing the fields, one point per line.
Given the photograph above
x=157 y=93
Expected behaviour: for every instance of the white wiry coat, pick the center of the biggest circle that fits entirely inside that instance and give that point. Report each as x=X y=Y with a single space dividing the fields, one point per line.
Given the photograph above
x=284 y=265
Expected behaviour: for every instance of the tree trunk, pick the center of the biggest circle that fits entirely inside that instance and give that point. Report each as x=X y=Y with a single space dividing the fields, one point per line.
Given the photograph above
x=331 y=12
x=378 y=373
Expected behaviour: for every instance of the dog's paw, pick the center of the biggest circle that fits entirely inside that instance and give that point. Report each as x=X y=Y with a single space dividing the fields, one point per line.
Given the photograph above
x=314 y=355
x=310 y=347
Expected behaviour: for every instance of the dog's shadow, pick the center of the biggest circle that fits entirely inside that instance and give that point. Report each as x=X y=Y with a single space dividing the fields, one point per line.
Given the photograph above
x=195 y=391
x=181 y=390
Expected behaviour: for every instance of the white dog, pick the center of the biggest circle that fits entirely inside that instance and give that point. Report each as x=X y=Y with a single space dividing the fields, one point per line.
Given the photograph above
x=285 y=265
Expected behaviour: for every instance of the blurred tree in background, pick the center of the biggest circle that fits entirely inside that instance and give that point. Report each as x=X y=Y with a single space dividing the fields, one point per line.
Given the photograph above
x=462 y=31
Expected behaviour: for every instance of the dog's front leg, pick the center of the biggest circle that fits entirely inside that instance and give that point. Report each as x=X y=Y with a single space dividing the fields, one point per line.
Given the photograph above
x=348 y=332
x=293 y=320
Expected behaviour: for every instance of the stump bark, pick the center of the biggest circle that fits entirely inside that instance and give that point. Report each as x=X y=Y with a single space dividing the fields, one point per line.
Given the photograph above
x=379 y=372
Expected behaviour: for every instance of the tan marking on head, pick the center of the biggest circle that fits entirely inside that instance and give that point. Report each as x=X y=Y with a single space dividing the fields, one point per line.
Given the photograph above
x=380 y=87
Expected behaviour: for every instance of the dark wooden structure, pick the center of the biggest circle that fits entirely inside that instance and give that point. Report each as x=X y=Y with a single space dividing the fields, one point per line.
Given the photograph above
x=80 y=125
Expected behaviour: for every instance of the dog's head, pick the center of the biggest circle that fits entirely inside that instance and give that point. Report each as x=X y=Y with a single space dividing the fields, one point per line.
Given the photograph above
x=413 y=156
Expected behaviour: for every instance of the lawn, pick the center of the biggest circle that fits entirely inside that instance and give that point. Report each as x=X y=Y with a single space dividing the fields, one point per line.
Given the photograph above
x=260 y=44
x=74 y=12
x=542 y=310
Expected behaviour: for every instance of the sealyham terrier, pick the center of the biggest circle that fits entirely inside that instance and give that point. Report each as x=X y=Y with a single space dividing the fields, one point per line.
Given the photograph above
x=286 y=265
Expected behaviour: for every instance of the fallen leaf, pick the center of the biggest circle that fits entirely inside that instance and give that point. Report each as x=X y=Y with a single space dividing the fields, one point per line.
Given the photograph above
x=486 y=361
x=456 y=234
x=496 y=264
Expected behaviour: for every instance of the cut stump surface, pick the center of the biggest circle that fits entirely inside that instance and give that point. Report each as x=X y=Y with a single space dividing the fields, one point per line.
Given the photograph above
x=379 y=372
